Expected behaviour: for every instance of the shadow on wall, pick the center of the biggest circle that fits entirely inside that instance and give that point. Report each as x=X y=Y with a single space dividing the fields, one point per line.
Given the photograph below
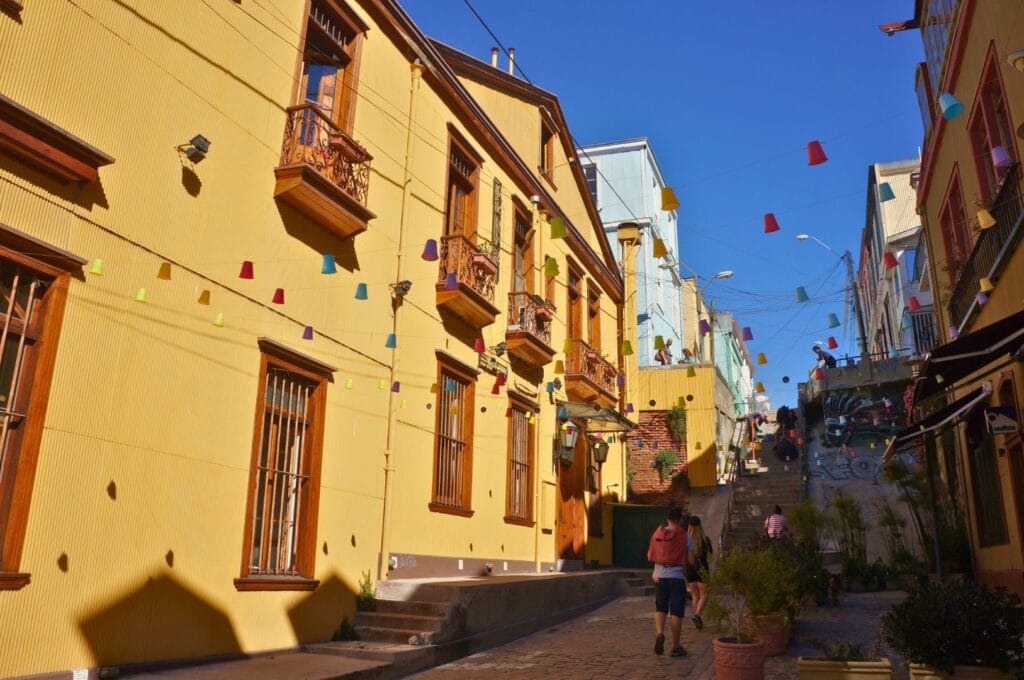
x=318 y=615
x=161 y=620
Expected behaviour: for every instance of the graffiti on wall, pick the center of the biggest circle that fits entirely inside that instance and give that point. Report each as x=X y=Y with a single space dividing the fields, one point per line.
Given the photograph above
x=863 y=417
x=845 y=463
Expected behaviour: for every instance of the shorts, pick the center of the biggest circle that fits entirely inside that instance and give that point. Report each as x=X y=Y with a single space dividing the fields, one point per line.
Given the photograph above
x=670 y=596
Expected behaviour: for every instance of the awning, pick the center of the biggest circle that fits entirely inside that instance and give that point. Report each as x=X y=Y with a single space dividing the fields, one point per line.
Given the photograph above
x=969 y=353
x=600 y=418
x=944 y=416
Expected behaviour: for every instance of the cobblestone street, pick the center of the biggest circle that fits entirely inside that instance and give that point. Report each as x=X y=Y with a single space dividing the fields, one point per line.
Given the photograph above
x=617 y=641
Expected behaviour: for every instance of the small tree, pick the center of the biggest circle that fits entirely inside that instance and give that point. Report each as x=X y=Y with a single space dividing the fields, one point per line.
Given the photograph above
x=845 y=522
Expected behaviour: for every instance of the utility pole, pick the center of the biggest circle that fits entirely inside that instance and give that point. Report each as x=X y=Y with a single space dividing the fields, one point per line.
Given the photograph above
x=863 y=339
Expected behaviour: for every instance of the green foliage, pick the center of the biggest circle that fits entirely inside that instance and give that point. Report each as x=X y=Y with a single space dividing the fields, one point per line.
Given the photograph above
x=629 y=475
x=365 y=598
x=913 y=491
x=676 y=418
x=346 y=631
x=749 y=582
x=805 y=522
x=957 y=623
x=665 y=460
x=805 y=562
x=845 y=523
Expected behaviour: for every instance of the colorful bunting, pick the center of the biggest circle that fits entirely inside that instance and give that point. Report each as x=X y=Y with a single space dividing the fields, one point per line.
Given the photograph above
x=391 y=342
x=430 y=250
x=307 y=333
x=770 y=223
x=761 y=358
x=833 y=321
x=559 y=367
x=885 y=192
x=659 y=342
x=96 y=268
x=478 y=346
x=815 y=154
x=691 y=372
x=801 y=294
x=785 y=378
x=704 y=327
x=361 y=291
x=247 y=270
x=668 y=199
x=140 y=295
x=889 y=260
x=627 y=348
x=748 y=335
x=759 y=388
x=278 y=296
x=950 y=106
x=913 y=304
x=558 y=229
x=1000 y=158
x=396 y=386
x=658 y=248
x=204 y=297
x=329 y=266
x=832 y=344
x=218 y=320
x=985 y=285
x=819 y=374
x=985 y=219
x=451 y=281
x=981 y=297
x=164 y=272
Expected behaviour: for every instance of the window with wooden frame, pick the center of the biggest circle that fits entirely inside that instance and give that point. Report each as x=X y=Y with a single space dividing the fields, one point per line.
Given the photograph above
x=463 y=184
x=452 y=483
x=593 y=315
x=329 y=77
x=33 y=284
x=547 y=150
x=986 y=483
x=953 y=222
x=279 y=548
x=521 y=456
x=522 y=253
x=574 y=292
x=925 y=100
x=989 y=127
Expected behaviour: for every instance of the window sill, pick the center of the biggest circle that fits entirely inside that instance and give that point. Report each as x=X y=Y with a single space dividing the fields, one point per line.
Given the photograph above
x=13 y=580
x=519 y=522
x=448 y=510
x=250 y=583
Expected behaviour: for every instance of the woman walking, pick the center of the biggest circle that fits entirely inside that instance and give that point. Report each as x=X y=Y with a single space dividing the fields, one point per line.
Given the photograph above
x=697 y=570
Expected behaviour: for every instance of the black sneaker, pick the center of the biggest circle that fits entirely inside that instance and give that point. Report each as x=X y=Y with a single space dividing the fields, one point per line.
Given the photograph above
x=678 y=651
x=659 y=645
x=698 y=622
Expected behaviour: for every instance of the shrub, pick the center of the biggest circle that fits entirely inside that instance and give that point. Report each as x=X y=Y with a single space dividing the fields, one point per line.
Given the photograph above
x=749 y=582
x=957 y=623
x=365 y=598
x=346 y=631
x=665 y=460
x=805 y=521
x=676 y=419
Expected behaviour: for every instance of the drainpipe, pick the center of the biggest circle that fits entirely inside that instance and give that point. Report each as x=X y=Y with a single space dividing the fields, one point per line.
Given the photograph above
x=629 y=238
x=416 y=72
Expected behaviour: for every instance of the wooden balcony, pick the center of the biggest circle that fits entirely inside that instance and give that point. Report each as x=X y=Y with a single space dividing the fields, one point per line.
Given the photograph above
x=992 y=249
x=589 y=377
x=324 y=173
x=528 y=335
x=465 y=282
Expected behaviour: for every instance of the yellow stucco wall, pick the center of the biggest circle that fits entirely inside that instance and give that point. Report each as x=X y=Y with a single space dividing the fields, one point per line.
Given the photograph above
x=998 y=24
x=157 y=404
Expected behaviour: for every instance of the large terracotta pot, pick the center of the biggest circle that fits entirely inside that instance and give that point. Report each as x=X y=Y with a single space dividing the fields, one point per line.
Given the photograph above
x=921 y=672
x=822 y=669
x=736 y=660
x=773 y=629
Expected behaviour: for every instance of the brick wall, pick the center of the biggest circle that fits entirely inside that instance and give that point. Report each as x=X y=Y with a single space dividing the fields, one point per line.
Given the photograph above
x=647 y=487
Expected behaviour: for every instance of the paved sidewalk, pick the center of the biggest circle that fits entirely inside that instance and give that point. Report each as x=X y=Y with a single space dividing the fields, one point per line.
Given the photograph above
x=617 y=641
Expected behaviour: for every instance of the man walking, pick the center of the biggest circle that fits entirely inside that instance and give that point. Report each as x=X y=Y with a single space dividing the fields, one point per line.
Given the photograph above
x=671 y=549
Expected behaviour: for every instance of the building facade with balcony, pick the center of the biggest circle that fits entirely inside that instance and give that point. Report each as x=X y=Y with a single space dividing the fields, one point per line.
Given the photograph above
x=626 y=184
x=276 y=310
x=896 y=305
x=733 y=360
x=969 y=197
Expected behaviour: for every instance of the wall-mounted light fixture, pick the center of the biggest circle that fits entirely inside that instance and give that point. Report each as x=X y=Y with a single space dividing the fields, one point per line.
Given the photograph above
x=196 y=148
x=1016 y=59
x=500 y=348
x=401 y=288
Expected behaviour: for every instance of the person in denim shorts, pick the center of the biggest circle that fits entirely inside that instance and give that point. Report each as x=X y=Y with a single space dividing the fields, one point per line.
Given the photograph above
x=671 y=549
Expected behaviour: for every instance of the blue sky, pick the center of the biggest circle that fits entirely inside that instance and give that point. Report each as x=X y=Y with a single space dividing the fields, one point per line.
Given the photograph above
x=729 y=93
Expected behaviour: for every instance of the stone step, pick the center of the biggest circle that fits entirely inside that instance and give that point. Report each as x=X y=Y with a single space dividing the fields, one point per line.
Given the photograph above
x=414 y=607
x=398 y=635
x=640 y=591
x=399 y=621
x=403 y=659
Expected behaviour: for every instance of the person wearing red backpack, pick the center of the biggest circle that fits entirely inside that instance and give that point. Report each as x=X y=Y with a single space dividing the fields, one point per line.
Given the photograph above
x=671 y=549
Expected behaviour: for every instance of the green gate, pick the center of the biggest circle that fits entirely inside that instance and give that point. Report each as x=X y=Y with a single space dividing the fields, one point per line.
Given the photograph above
x=632 y=528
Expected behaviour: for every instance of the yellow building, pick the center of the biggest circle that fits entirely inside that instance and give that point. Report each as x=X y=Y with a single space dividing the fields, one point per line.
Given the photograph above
x=969 y=196
x=269 y=327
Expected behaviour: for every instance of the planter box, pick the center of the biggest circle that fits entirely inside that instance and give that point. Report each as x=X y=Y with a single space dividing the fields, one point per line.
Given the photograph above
x=738 y=661
x=484 y=263
x=543 y=313
x=921 y=672
x=821 y=669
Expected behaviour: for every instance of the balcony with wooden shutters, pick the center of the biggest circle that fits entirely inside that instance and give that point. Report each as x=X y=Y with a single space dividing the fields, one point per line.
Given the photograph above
x=992 y=249
x=466 y=281
x=324 y=173
x=528 y=335
x=589 y=377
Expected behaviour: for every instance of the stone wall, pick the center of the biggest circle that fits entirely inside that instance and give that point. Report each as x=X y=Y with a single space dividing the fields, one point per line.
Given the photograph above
x=651 y=436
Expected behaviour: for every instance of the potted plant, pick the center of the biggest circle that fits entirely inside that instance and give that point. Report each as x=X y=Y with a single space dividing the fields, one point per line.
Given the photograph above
x=743 y=585
x=483 y=263
x=843 y=661
x=543 y=309
x=957 y=629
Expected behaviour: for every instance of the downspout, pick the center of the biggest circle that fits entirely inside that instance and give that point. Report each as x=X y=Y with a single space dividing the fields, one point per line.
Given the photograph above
x=538 y=485
x=416 y=72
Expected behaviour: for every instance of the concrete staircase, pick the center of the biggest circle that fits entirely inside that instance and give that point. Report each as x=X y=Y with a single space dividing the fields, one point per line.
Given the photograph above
x=755 y=495
x=639 y=584
x=410 y=622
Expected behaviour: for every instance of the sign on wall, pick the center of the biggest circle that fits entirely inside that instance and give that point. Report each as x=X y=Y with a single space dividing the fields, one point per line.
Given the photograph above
x=1001 y=420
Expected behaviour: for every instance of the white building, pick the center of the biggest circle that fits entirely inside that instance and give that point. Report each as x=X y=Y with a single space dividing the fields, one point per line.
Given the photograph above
x=626 y=184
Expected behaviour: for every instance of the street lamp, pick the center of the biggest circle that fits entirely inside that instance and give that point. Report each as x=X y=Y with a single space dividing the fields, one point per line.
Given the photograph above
x=852 y=282
x=727 y=274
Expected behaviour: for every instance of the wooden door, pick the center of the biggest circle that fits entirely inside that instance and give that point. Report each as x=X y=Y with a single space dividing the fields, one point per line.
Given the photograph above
x=1015 y=456
x=570 y=533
